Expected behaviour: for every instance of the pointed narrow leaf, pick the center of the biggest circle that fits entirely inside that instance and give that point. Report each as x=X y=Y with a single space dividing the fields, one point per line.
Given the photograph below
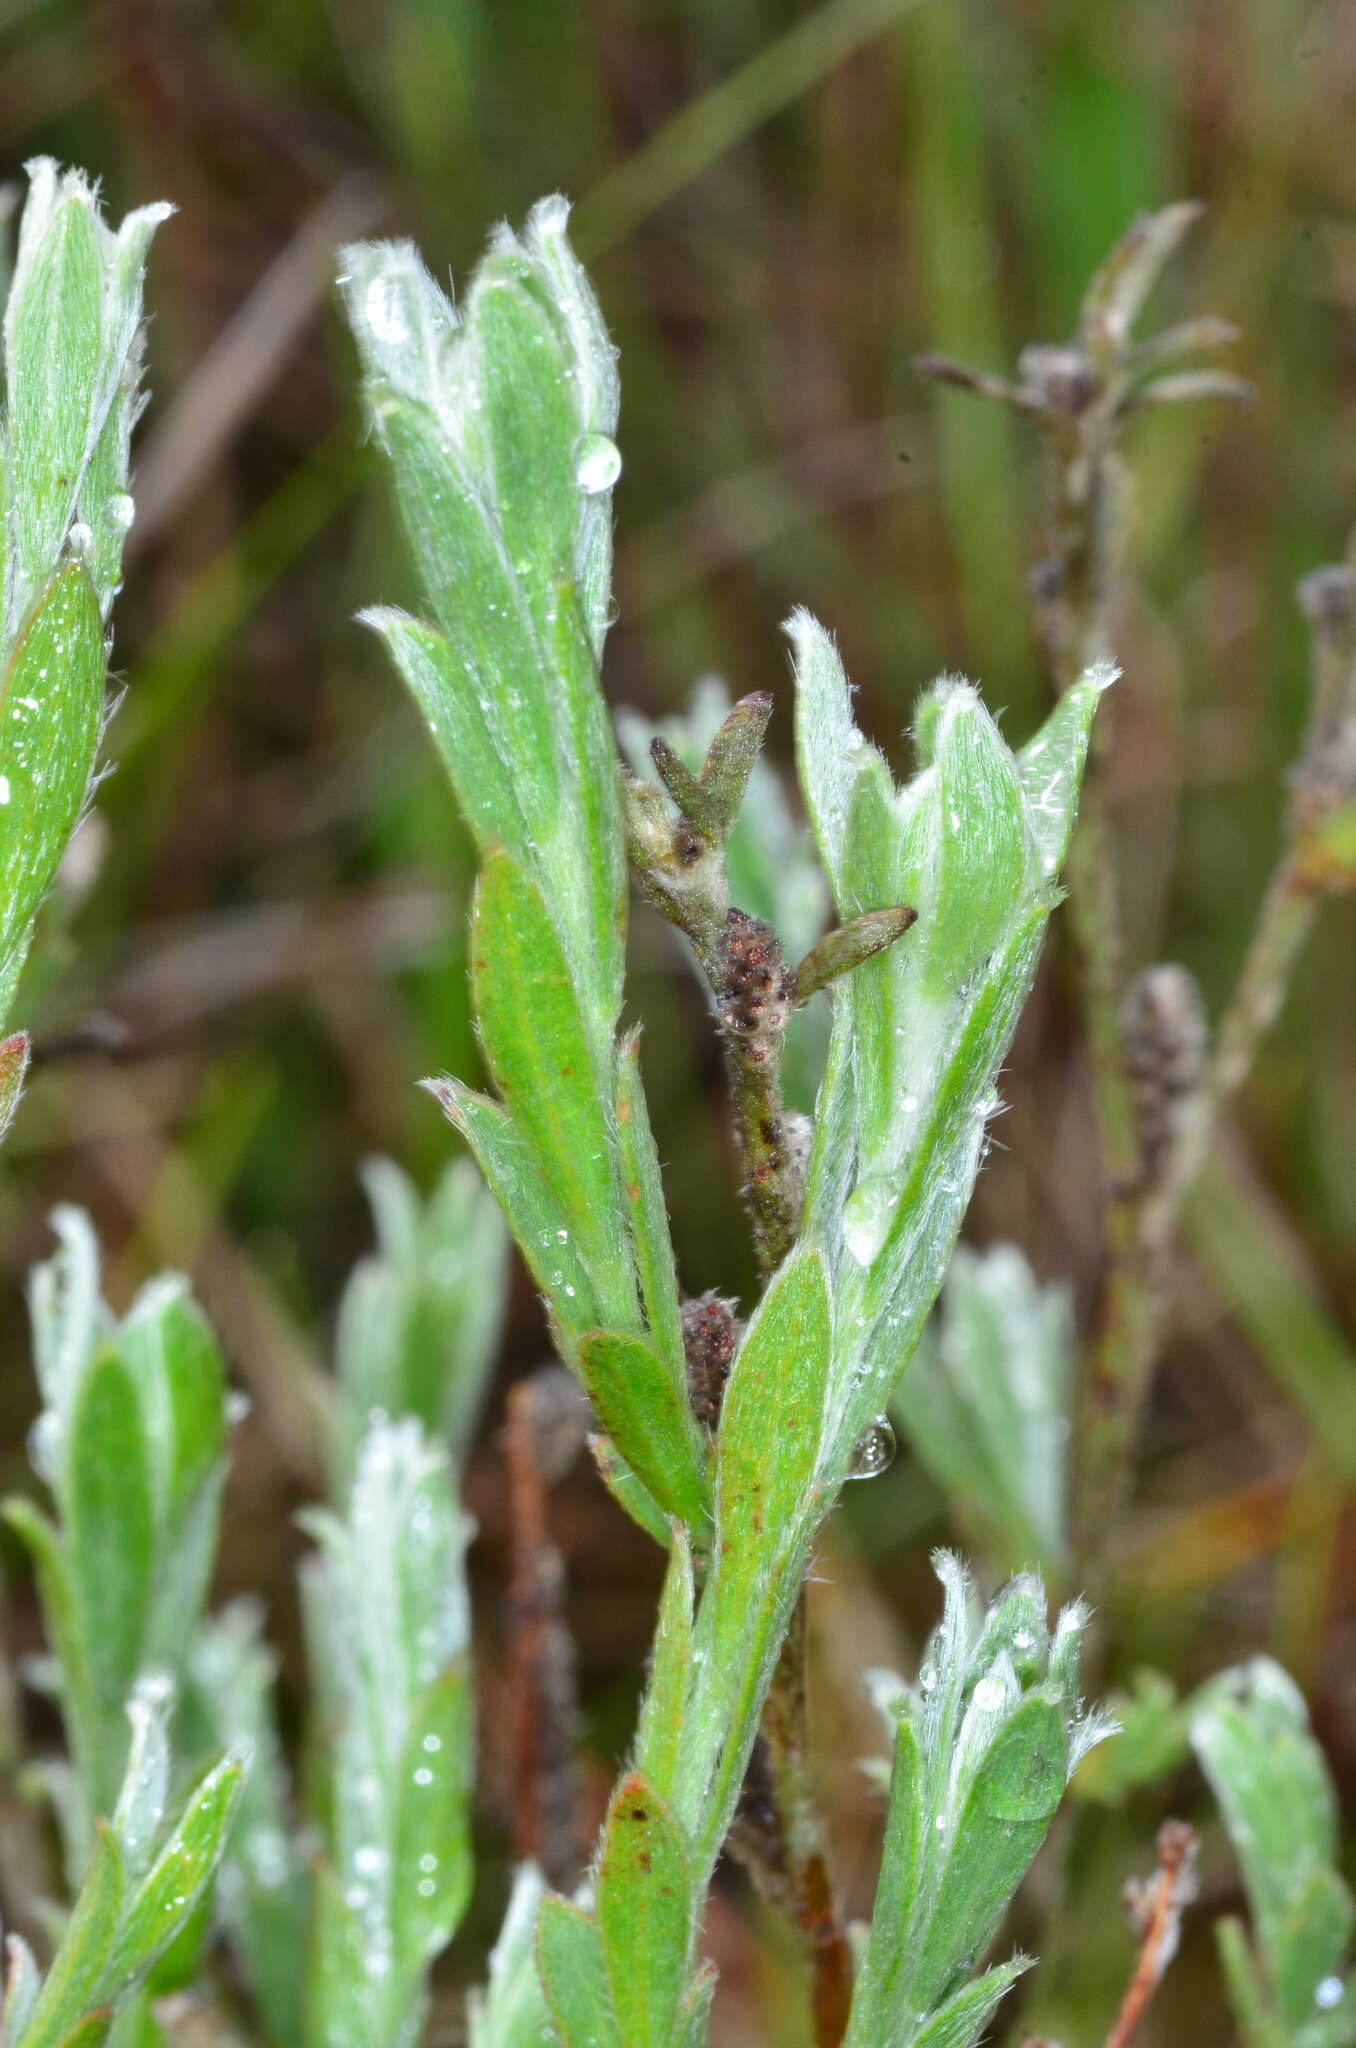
x=570 y=1960
x=878 y=2001
x=51 y=702
x=732 y=756
x=847 y=946
x=52 y=1572
x=960 y=2022
x=52 y=343
x=682 y=785
x=661 y=1715
x=648 y=1417
x=511 y=2012
x=181 y=1873
x=1051 y=765
x=476 y=768
x=643 y=1192
x=994 y=1837
x=538 y=1050
x=830 y=750
x=107 y=1497
x=79 y=1973
x=533 y=1214
x=631 y=1494
x=764 y=1479
x=646 y=1907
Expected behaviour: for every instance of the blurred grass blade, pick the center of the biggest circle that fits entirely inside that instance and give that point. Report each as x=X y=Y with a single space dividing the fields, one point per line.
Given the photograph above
x=420 y=1320
x=387 y=1635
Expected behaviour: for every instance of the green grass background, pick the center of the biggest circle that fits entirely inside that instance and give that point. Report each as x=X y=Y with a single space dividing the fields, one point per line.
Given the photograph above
x=265 y=946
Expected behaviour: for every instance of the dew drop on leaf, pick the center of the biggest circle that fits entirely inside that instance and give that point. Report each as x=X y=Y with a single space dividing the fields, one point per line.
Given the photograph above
x=873 y=1451
x=597 y=464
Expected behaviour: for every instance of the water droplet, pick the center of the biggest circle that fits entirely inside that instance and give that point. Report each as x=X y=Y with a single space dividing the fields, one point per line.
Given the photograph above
x=423 y=1776
x=988 y=1695
x=941 y=1823
x=873 y=1451
x=1328 y=1994
x=82 y=539
x=4 y=789
x=121 y=510
x=597 y=464
x=927 y=1679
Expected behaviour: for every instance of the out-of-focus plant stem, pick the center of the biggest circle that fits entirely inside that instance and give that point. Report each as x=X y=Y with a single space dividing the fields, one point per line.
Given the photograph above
x=1079 y=395
x=1144 y=1218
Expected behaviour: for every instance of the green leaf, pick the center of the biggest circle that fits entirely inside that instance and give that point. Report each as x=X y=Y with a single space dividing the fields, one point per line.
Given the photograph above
x=91 y=2031
x=974 y=847
x=535 y=1217
x=1250 y=1732
x=658 y=1739
x=145 y=1785
x=646 y=1906
x=648 y=1417
x=643 y=1195
x=1051 y=765
x=630 y=1493
x=994 y=1837
x=768 y=1503
x=499 y=425
x=878 y=2012
x=1310 y=1942
x=106 y=1493
x=51 y=703
x=432 y=1863
x=849 y=946
x=477 y=769
x=511 y=2012
x=177 y=1879
x=53 y=330
x=570 y=1961
x=79 y=1972
x=538 y=1050
x=265 y=1903
x=62 y=1622
x=829 y=748
x=960 y=2022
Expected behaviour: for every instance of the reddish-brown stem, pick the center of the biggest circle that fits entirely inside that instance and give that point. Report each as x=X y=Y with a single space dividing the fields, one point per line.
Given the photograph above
x=541 y=1664
x=1156 y=1908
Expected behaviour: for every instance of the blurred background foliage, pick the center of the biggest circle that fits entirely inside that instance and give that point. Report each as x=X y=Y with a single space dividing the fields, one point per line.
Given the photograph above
x=258 y=944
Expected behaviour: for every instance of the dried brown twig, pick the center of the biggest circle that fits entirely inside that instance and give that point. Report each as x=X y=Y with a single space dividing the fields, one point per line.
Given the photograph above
x=1155 y=1906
